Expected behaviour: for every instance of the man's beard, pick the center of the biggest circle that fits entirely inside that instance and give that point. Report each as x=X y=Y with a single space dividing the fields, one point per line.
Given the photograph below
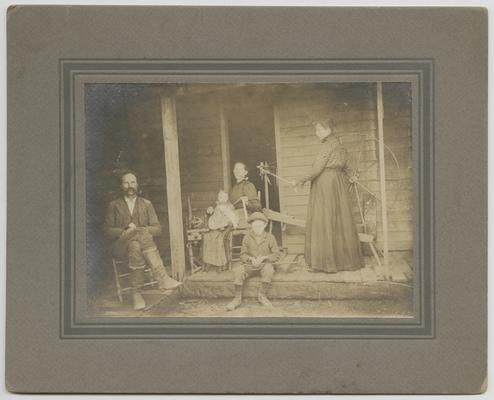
x=130 y=192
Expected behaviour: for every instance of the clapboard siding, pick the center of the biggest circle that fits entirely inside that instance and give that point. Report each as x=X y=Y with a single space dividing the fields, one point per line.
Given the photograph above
x=201 y=168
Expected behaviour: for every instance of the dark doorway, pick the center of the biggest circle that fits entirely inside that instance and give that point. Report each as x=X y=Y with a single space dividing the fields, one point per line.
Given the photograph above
x=252 y=141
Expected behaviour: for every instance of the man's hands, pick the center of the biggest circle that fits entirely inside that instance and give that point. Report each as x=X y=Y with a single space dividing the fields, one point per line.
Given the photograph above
x=130 y=229
x=244 y=199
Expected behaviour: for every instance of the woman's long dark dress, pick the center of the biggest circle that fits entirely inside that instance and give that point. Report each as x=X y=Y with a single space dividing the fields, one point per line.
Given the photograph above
x=331 y=238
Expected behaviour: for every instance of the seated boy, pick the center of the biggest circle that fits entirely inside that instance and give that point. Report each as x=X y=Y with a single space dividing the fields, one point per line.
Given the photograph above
x=259 y=252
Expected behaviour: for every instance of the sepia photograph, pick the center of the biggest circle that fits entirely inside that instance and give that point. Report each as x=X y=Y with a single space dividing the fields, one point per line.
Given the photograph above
x=249 y=200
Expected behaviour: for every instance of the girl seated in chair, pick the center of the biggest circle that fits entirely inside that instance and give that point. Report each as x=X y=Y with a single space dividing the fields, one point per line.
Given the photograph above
x=220 y=222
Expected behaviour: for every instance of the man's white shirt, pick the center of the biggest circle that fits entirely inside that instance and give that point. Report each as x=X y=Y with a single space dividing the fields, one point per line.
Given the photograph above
x=131 y=202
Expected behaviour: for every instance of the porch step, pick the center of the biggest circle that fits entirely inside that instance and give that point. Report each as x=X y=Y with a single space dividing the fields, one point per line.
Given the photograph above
x=300 y=284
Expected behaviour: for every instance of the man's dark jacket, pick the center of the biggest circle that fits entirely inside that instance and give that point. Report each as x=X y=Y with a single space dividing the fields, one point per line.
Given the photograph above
x=118 y=217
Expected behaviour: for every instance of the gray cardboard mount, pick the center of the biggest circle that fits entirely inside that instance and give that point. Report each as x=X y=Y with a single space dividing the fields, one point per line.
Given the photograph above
x=40 y=354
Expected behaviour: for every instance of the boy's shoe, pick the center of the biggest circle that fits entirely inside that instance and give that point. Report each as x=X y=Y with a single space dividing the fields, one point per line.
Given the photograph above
x=234 y=303
x=264 y=301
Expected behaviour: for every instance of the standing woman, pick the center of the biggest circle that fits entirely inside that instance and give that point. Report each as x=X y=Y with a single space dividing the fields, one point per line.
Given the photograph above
x=331 y=238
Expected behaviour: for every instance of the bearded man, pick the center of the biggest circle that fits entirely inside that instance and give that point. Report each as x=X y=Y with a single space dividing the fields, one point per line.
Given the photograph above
x=131 y=222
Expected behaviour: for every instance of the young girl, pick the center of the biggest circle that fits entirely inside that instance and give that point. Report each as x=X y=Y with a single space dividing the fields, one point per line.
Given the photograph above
x=222 y=218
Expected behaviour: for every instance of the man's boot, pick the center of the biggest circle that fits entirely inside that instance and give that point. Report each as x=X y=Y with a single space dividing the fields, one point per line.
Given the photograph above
x=138 y=301
x=154 y=261
x=237 y=300
x=137 y=280
x=261 y=297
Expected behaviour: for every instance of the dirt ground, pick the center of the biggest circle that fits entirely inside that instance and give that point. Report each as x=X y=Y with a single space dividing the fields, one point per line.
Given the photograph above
x=176 y=307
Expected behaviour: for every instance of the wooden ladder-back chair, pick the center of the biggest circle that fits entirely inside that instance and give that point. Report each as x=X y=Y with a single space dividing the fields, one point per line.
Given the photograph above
x=122 y=273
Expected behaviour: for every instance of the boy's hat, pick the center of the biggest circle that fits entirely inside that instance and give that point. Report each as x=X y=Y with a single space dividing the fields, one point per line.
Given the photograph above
x=257 y=215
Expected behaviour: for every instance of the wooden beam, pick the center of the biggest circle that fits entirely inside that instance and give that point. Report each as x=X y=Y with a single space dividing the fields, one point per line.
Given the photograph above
x=225 y=149
x=279 y=163
x=382 y=175
x=194 y=89
x=284 y=218
x=173 y=188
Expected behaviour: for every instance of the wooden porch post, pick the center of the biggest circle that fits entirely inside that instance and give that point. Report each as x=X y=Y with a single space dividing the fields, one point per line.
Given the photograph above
x=225 y=149
x=382 y=176
x=173 y=189
x=280 y=165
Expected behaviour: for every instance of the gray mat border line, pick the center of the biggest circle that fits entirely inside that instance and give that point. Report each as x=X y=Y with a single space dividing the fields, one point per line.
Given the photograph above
x=250 y=328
